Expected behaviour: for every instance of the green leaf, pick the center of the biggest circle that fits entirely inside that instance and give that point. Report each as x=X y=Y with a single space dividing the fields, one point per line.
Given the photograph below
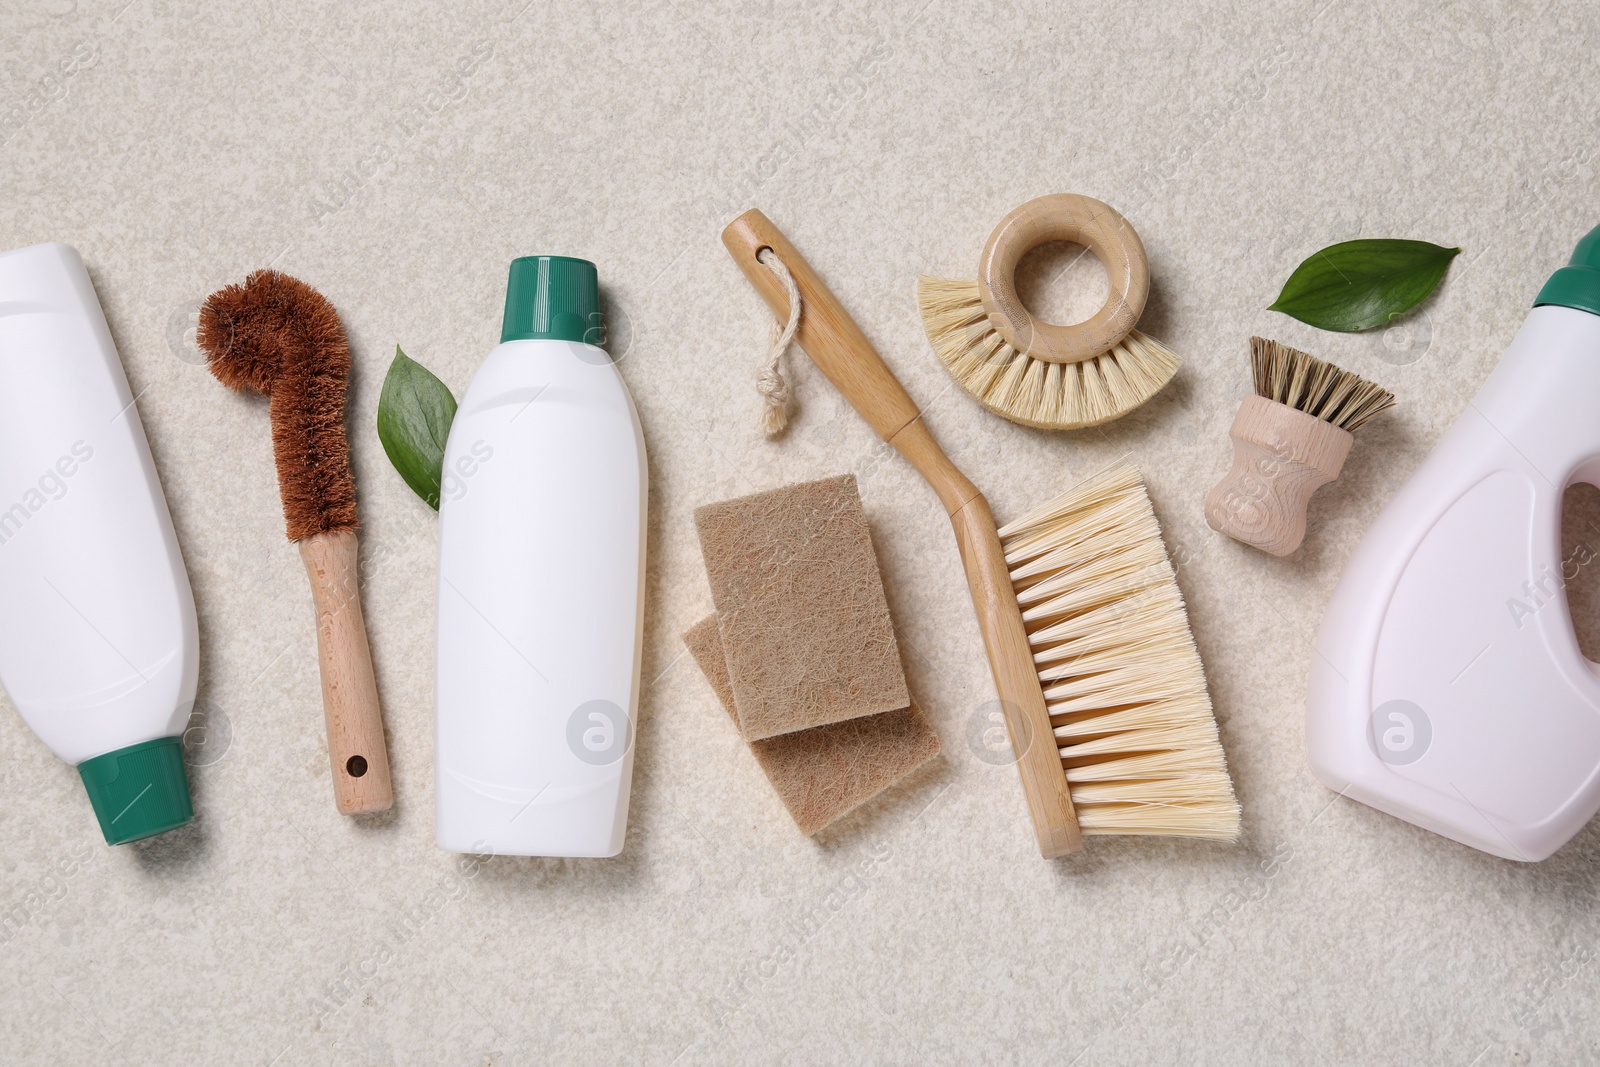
x=1356 y=285
x=414 y=415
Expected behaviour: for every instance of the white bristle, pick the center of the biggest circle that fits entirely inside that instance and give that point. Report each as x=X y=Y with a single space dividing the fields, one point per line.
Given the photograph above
x=1121 y=676
x=1036 y=392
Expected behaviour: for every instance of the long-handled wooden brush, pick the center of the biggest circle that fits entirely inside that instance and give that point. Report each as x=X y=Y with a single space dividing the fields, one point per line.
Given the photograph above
x=1038 y=373
x=276 y=335
x=1102 y=690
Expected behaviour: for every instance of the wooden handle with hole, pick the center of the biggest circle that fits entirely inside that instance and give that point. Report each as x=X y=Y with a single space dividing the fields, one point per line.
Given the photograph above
x=1280 y=457
x=356 y=746
x=841 y=351
x=1064 y=217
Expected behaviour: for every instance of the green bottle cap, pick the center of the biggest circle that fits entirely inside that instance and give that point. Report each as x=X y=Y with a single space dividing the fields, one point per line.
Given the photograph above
x=553 y=297
x=1576 y=285
x=138 y=791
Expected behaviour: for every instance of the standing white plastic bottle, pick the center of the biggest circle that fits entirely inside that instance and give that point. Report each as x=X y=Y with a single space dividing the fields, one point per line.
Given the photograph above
x=541 y=583
x=98 y=643
x=1447 y=686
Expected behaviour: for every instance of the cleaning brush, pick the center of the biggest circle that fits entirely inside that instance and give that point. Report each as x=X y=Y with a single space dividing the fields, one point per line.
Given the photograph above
x=276 y=335
x=1289 y=440
x=1123 y=683
x=1038 y=373
x=1102 y=691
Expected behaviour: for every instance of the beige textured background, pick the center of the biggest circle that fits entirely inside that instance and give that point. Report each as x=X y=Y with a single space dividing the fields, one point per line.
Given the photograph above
x=190 y=143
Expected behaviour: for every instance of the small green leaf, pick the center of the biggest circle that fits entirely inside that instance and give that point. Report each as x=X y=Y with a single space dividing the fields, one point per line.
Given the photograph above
x=415 y=410
x=1356 y=285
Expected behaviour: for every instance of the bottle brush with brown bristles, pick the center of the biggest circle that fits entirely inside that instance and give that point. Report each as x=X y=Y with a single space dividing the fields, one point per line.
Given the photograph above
x=276 y=335
x=1038 y=373
x=1289 y=440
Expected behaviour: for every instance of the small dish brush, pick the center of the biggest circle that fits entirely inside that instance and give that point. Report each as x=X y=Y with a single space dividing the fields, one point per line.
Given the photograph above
x=1101 y=687
x=276 y=335
x=1038 y=373
x=1289 y=440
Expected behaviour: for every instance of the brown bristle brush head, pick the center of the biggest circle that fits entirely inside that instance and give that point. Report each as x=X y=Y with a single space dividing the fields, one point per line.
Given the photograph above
x=1288 y=440
x=1306 y=383
x=276 y=335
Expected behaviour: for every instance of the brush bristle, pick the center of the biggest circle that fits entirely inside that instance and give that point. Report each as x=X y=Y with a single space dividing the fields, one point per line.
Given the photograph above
x=1122 y=679
x=276 y=335
x=1036 y=392
x=1306 y=383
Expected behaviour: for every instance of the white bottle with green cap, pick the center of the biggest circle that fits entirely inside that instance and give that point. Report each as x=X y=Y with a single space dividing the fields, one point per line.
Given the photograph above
x=98 y=646
x=541 y=583
x=1447 y=685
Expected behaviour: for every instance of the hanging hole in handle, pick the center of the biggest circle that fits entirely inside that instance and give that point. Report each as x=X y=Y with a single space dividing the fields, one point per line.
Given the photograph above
x=355 y=766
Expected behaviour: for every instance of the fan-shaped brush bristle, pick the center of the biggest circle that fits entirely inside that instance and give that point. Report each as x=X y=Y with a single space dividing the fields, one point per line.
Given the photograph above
x=1122 y=678
x=276 y=335
x=1304 y=382
x=1036 y=392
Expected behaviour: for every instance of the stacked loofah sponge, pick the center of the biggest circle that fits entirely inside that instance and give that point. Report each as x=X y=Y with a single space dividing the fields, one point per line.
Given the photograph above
x=802 y=653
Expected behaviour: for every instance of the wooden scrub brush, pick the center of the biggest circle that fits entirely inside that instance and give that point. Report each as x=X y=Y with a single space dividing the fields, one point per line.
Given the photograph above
x=277 y=335
x=1101 y=687
x=1288 y=441
x=1038 y=373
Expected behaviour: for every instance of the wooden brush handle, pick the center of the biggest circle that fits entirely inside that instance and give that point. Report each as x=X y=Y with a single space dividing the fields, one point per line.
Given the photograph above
x=1280 y=457
x=1064 y=217
x=841 y=351
x=356 y=746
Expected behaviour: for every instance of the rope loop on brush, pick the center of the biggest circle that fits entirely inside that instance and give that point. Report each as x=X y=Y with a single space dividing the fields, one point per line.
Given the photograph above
x=771 y=384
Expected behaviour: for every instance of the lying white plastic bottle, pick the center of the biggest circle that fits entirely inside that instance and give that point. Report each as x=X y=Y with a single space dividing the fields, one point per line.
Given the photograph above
x=1447 y=686
x=541 y=583
x=98 y=645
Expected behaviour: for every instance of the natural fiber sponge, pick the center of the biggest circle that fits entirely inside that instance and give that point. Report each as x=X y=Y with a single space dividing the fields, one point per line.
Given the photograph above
x=800 y=608
x=824 y=773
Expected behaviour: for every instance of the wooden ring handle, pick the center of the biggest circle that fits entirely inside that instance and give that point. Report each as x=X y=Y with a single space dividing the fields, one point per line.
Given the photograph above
x=356 y=747
x=1280 y=457
x=1064 y=217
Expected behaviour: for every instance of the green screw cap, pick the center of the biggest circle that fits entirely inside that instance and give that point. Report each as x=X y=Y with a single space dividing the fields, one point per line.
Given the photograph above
x=553 y=297
x=139 y=791
x=1577 y=285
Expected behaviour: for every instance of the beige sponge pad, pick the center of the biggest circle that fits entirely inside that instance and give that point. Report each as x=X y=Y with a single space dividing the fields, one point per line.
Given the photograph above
x=823 y=773
x=800 y=608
